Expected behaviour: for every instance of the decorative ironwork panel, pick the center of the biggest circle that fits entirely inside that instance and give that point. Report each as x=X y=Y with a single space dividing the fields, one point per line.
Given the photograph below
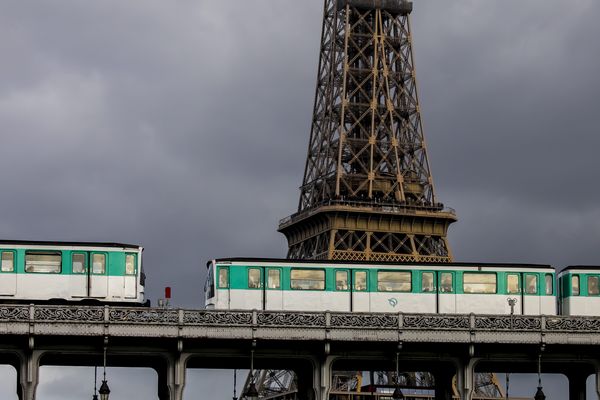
x=430 y=321
x=217 y=318
x=291 y=319
x=377 y=321
x=68 y=314
x=146 y=316
x=508 y=323
x=14 y=313
x=581 y=324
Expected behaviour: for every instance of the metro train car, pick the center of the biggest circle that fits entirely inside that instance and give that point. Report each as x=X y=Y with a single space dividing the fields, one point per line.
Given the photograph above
x=302 y=285
x=579 y=290
x=61 y=272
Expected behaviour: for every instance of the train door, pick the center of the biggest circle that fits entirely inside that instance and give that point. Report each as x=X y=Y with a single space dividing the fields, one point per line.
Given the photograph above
x=98 y=287
x=341 y=298
x=254 y=297
x=515 y=303
x=531 y=294
x=130 y=277
x=8 y=275
x=223 y=300
x=429 y=298
x=359 y=291
x=273 y=294
x=446 y=292
x=79 y=278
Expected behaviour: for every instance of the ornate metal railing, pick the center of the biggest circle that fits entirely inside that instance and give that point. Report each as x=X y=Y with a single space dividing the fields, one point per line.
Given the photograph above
x=33 y=314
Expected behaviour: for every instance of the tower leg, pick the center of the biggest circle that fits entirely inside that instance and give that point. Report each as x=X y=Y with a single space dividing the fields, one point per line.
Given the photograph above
x=28 y=375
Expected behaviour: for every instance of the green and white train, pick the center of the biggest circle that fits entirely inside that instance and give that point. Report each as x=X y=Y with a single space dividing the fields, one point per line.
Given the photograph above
x=522 y=289
x=59 y=272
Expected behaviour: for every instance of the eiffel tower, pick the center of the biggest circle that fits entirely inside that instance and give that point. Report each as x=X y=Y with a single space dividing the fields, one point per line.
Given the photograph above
x=367 y=192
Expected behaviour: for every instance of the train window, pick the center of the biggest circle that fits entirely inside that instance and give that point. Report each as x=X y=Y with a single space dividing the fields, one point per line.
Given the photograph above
x=99 y=264
x=49 y=263
x=394 y=281
x=129 y=264
x=254 y=278
x=446 y=284
x=549 y=284
x=307 y=279
x=479 y=283
x=575 y=285
x=531 y=284
x=341 y=280
x=360 y=281
x=274 y=279
x=78 y=263
x=8 y=261
x=512 y=284
x=427 y=282
x=223 y=278
x=592 y=282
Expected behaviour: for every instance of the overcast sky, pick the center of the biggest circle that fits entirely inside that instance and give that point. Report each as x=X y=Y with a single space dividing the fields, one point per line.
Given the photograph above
x=183 y=126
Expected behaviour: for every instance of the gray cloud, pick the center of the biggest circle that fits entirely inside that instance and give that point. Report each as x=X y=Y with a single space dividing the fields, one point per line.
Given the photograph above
x=183 y=126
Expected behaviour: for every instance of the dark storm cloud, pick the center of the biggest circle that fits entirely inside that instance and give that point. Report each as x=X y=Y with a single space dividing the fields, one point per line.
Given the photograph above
x=183 y=125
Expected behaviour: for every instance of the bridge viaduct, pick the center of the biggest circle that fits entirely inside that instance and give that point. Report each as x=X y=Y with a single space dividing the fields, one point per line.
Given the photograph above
x=311 y=344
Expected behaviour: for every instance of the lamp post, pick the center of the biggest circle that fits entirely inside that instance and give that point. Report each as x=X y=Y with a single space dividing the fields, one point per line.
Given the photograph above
x=235 y=384
x=251 y=393
x=95 y=395
x=397 y=395
x=539 y=394
x=104 y=389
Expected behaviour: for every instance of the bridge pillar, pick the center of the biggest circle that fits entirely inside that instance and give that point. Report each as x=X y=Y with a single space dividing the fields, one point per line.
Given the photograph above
x=322 y=381
x=171 y=377
x=577 y=385
x=465 y=378
x=28 y=374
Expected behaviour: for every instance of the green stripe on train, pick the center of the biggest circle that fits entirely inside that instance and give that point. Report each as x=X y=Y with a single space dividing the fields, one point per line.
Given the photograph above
x=238 y=279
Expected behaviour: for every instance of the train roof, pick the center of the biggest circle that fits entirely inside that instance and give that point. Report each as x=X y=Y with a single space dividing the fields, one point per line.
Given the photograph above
x=582 y=267
x=440 y=264
x=70 y=244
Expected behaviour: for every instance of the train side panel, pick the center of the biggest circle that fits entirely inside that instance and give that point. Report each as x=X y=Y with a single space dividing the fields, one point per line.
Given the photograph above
x=58 y=272
x=300 y=286
x=579 y=290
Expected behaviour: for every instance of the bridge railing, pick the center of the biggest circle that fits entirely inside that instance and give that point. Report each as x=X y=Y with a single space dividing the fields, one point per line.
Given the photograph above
x=323 y=320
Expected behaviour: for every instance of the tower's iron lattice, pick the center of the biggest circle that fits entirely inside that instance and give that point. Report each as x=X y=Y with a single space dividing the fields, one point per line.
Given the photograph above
x=367 y=192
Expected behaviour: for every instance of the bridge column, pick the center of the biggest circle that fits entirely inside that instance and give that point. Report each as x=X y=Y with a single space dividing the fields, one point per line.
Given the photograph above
x=28 y=375
x=443 y=384
x=465 y=378
x=171 y=377
x=322 y=381
x=577 y=385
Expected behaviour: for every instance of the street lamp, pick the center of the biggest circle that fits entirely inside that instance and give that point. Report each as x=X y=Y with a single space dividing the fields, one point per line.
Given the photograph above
x=252 y=393
x=539 y=394
x=397 y=395
x=104 y=390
